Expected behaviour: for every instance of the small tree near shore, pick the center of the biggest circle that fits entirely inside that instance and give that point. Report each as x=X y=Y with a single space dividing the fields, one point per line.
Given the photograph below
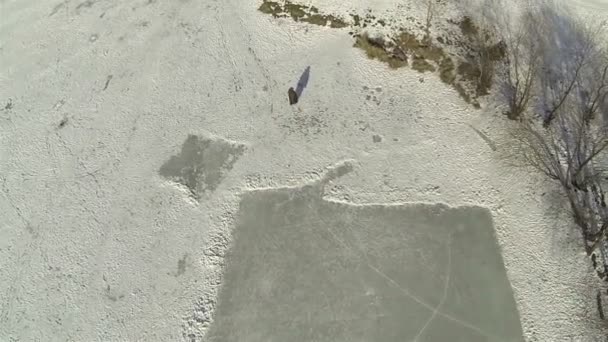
x=522 y=60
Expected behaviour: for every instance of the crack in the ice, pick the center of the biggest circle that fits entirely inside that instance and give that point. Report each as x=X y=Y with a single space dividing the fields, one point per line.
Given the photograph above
x=12 y=203
x=406 y=292
x=445 y=291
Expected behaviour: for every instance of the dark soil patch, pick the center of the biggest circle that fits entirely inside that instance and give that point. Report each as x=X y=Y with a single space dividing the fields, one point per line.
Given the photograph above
x=468 y=28
x=421 y=65
x=446 y=70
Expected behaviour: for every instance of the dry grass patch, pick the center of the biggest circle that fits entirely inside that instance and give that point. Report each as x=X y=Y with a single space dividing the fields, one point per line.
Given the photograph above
x=376 y=48
x=301 y=13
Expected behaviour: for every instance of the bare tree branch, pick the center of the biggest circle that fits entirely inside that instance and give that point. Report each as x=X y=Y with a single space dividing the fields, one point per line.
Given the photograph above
x=430 y=11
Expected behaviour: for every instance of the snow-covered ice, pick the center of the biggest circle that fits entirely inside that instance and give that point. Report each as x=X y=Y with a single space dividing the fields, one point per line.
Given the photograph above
x=98 y=243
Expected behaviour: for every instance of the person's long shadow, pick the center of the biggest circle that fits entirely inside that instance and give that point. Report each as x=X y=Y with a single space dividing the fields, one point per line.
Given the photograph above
x=303 y=81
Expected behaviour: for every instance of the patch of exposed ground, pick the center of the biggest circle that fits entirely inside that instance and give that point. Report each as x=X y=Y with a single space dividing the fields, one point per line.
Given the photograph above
x=308 y=14
x=466 y=61
x=470 y=70
x=469 y=66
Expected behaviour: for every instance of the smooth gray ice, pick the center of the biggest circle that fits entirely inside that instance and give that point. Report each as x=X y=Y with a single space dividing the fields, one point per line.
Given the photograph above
x=306 y=269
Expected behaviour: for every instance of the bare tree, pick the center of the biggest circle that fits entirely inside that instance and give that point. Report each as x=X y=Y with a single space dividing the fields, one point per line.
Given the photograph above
x=565 y=135
x=555 y=85
x=522 y=64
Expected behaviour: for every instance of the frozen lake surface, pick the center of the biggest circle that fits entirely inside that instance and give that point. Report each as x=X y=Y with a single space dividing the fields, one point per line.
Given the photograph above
x=154 y=178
